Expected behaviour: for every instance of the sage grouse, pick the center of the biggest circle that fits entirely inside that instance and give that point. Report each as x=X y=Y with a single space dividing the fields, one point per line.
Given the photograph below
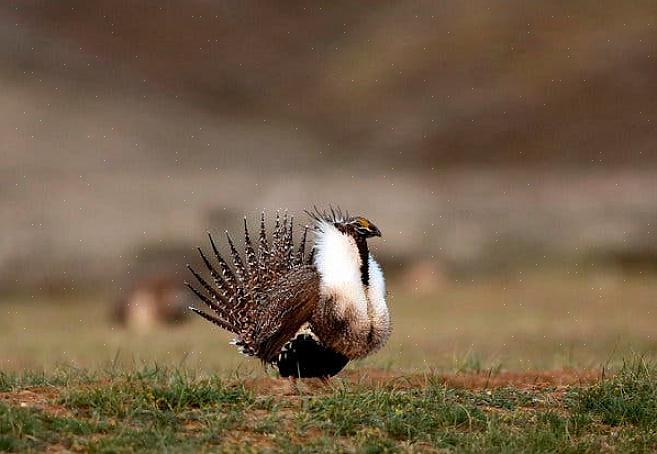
x=305 y=314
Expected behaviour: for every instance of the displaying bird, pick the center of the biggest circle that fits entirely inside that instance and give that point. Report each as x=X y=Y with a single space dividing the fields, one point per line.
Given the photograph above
x=305 y=314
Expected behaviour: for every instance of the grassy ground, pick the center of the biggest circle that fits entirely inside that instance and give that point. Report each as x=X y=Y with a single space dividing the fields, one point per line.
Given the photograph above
x=169 y=409
x=529 y=364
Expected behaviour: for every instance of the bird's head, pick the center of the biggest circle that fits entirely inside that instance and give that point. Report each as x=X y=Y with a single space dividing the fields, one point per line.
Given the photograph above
x=358 y=227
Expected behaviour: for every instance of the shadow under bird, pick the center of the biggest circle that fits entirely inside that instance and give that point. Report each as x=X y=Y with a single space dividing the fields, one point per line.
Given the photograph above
x=306 y=314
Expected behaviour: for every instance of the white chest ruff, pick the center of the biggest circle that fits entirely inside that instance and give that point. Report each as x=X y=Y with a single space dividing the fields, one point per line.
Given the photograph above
x=338 y=263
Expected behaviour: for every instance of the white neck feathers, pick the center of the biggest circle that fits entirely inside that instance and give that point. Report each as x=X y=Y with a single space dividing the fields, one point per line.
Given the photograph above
x=339 y=263
x=336 y=257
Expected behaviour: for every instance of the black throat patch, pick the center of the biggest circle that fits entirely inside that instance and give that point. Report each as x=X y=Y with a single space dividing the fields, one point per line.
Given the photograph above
x=364 y=254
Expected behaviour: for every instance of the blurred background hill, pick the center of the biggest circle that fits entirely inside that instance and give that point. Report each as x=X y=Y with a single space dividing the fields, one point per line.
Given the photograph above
x=483 y=137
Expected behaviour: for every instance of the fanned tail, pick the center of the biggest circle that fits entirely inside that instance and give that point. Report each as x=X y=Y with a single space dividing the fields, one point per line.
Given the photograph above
x=234 y=294
x=301 y=252
x=249 y=252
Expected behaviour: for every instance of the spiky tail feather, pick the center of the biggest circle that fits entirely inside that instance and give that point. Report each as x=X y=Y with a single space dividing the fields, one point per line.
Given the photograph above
x=238 y=289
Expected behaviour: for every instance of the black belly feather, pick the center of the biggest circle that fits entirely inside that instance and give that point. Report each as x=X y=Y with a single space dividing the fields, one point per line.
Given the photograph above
x=304 y=357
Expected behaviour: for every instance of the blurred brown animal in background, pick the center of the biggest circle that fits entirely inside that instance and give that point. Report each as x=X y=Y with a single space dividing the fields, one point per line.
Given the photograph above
x=424 y=277
x=158 y=299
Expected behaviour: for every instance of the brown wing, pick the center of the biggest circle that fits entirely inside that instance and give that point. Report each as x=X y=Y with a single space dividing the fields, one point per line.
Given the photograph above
x=286 y=307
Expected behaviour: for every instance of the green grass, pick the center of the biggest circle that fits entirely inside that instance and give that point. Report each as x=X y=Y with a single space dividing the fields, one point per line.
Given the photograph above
x=69 y=380
x=630 y=398
x=155 y=409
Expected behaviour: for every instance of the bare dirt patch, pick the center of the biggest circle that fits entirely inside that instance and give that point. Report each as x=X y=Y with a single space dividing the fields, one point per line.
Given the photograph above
x=284 y=387
x=523 y=380
x=40 y=398
x=476 y=380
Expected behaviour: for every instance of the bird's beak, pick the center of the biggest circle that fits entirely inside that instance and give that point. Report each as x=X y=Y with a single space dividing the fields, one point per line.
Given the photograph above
x=366 y=228
x=374 y=230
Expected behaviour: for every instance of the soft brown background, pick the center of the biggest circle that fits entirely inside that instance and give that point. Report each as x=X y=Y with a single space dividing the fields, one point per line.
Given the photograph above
x=487 y=139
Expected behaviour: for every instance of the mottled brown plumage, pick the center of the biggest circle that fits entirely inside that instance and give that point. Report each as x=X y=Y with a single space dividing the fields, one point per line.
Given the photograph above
x=266 y=297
